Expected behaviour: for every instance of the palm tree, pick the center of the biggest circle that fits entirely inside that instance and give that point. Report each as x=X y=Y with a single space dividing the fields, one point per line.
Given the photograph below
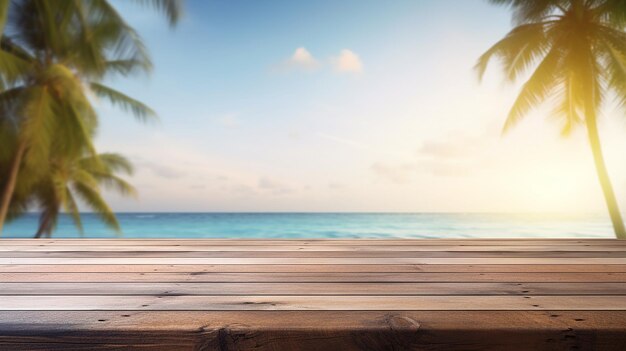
x=578 y=51
x=79 y=178
x=52 y=54
x=69 y=181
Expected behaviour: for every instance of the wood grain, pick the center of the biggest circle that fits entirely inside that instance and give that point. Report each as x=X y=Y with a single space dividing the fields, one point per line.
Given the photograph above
x=315 y=268
x=330 y=242
x=306 y=261
x=308 y=303
x=243 y=289
x=313 y=254
x=360 y=248
x=253 y=294
x=313 y=277
x=320 y=330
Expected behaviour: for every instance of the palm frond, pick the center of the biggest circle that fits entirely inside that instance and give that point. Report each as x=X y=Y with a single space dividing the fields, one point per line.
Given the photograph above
x=117 y=184
x=72 y=209
x=614 y=11
x=15 y=64
x=538 y=87
x=103 y=167
x=527 y=11
x=48 y=24
x=613 y=51
x=4 y=13
x=58 y=190
x=108 y=163
x=172 y=9
x=518 y=50
x=88 y=54
x=94 y=200
x=8 y=135
x=75 y=132
x=10 y=102
x=137 y=108
x=39 y=128
x=569 y=108
x=10 y=46
x=111 y=32
x=126 y=67
x=85 y=178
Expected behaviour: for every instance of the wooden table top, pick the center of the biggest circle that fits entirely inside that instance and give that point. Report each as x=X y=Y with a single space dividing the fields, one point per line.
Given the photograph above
x=221 y=294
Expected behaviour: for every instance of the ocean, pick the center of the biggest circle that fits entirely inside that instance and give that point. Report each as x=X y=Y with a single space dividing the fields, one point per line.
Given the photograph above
x=328 y=225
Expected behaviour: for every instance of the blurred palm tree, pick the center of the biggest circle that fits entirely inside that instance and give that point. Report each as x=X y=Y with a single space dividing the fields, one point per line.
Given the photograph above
x=53 y=56
x=576 y=50
x=71 y=179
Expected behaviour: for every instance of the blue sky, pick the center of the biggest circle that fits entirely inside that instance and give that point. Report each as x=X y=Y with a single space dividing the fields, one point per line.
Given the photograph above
x=341 y=106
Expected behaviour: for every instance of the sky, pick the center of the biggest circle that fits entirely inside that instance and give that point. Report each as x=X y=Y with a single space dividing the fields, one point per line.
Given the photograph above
x=343 y=106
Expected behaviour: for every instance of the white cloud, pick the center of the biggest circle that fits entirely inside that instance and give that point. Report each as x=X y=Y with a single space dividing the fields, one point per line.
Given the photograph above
x=301 y=59
x=347 y=62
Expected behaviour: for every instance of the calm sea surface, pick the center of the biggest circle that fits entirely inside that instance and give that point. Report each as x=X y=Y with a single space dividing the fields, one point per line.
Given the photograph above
x=329 y=225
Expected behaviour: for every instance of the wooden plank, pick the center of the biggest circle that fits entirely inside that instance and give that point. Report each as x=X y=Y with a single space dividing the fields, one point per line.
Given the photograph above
x=308 y=260
x=313 y=294
x=312 y=277
x=319 y=330
x=364 y=248
x=306 y=303
x=181 y=321
x=503 y=268
x=233 y=288
x=331 y=242
x=316 y=268
x=315 y=254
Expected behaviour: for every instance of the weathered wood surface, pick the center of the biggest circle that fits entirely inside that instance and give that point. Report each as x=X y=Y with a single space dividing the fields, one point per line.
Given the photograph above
x=449 y=294
x=333 y=289
x=309 y=302
x=288 y=268
x=310 y=277
x=320 y=330
x=305 y=260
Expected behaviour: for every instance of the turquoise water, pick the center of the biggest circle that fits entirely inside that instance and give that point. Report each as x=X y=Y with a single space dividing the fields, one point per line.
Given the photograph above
x=329 y=225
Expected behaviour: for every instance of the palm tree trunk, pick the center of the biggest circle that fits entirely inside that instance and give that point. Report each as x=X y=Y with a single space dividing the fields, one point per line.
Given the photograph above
x=44 y=225
x=603 y=176
x=40 y=231
x=9 y=188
